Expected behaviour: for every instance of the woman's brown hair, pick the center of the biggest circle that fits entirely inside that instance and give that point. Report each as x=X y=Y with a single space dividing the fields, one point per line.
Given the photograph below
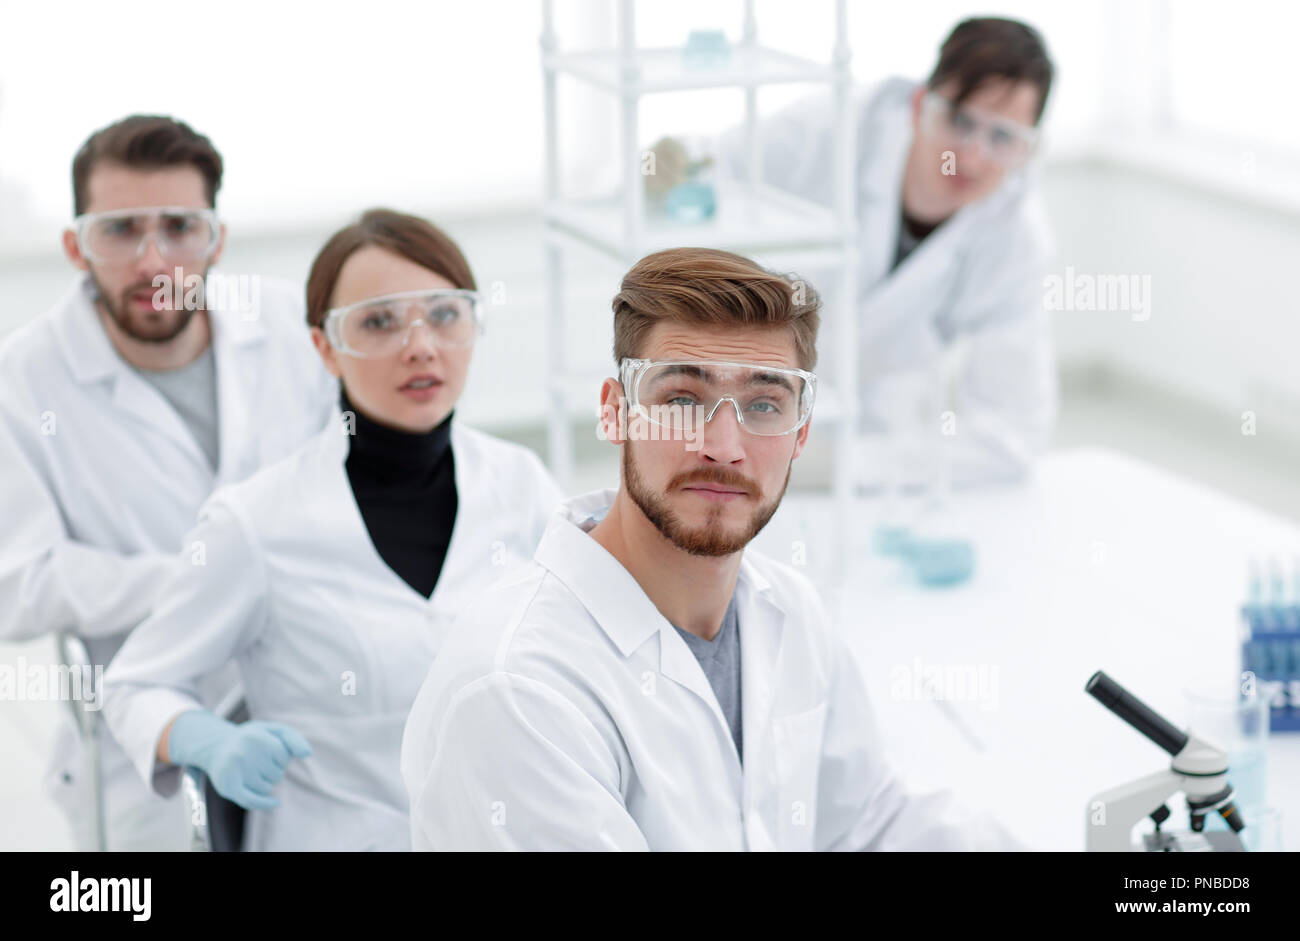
x=416 y=239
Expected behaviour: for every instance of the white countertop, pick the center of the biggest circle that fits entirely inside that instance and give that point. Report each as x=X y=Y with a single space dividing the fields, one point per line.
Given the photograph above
x=1099 y=562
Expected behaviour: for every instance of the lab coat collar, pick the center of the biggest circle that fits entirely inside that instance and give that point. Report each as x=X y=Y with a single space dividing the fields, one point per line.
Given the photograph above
x=238 y=349
x=81 y=336
x=607 y=590
x=626 y=614
x=90 y=353
x=600 y=582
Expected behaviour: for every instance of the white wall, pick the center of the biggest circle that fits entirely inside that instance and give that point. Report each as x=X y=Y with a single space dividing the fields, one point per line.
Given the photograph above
x=306 y=107
x=1224 y=323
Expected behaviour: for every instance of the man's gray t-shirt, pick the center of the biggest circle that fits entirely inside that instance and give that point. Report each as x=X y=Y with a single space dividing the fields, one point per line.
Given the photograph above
x=720 y=660
x=192 y=391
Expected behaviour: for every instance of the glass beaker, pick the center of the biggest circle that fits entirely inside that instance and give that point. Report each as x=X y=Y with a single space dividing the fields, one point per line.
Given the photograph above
x=1263 y=833
x=1217 y=710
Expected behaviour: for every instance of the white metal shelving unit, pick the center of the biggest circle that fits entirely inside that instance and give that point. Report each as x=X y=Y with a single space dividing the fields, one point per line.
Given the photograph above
x=752 y=217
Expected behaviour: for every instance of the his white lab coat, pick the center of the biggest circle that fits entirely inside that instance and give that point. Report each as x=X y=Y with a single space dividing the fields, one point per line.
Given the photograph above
x=959 y=326
x=328 y=639
x=565 y=712
x=99 y=481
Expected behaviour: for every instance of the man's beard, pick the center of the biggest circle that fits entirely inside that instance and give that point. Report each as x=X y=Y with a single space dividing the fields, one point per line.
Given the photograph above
x=709 y=539
x=145 y=328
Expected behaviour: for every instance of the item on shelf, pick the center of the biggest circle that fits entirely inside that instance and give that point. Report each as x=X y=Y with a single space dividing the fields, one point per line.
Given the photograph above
x=677 y=185
x=691 y=202
x=706 y=49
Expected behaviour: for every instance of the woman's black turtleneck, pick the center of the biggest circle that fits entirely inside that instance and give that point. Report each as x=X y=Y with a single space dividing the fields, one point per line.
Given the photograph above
x=405 y=485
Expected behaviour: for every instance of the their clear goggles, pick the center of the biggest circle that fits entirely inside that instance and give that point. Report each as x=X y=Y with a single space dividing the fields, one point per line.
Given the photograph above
x=120 y=236
x=1007 y=143
x=768 y=400
x=381 y=326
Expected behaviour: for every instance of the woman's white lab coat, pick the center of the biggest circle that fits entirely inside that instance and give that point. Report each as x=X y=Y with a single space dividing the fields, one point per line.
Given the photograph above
x=281 y=575
x=100 y=479
x=965 y=308
x=565 y=712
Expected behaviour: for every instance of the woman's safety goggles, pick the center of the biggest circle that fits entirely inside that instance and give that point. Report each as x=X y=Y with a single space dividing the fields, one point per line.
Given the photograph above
x=120 y=236
x=679 y=395
x=1006 y=143
x=381 y=326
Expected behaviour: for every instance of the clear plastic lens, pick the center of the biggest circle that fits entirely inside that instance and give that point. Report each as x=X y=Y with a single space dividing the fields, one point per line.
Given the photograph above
x=766 y=400
x=383 y=327
x=120 y=236
x=1004 y=142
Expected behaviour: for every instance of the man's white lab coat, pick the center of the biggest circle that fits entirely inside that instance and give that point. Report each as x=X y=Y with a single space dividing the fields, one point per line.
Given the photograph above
x=565 y=712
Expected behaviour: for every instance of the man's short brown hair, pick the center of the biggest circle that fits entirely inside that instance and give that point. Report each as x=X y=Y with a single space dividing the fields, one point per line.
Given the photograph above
x=146 y=142
x=709 y=287
x=991 y=48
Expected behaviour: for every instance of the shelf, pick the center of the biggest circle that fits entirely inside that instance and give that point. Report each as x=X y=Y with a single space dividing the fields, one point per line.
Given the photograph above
x=665 y=70
x=748 y=220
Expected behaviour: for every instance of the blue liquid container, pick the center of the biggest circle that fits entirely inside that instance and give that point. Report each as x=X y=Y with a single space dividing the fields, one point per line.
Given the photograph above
x=691 y=202
x=941 y=563
x=1270 y=649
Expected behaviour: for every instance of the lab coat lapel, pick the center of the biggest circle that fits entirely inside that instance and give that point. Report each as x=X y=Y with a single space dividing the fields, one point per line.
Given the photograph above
x=762 y=624
x=616 y=600
x=91 y=356
x=473 y=491
x=239 y=349
x=340 y=508
x=607 y=590
x=134 y=395
x=678 y=663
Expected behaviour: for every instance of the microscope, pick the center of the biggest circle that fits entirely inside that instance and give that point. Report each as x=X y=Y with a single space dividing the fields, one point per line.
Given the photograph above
x=1199 y=769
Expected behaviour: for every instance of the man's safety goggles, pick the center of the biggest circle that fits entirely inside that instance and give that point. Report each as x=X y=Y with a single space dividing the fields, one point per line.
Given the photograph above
x=381 y=326
x=1007 y=143
x=768 y=400
x=120 y=236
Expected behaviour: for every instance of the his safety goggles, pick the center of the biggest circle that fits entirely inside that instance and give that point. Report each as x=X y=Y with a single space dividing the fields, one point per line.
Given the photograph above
x=119 y=236
x=1007 y=143
x=381 y=326
x=768 y=400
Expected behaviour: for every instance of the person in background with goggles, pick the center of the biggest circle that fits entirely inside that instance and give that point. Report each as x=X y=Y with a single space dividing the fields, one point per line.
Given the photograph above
x=121 y=409
x=331 y=576
x=649 y=682
x=953 y=248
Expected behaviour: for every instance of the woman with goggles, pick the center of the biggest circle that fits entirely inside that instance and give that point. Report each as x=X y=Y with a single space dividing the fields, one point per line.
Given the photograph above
x=330 y=577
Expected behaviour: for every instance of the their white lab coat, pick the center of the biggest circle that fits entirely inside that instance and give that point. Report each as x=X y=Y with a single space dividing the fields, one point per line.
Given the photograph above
x=327 y=638
x=99 y=481
x=565 y=712
x=959 y=326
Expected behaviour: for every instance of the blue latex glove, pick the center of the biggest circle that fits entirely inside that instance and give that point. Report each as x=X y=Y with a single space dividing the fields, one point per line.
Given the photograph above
x=244 y=762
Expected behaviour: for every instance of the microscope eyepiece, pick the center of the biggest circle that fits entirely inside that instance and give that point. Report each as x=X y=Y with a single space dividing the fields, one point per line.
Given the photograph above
x=1135 y=712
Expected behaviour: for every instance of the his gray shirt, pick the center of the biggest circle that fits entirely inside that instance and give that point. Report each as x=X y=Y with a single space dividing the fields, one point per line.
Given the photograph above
x=192 y=392
x=720 y=660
